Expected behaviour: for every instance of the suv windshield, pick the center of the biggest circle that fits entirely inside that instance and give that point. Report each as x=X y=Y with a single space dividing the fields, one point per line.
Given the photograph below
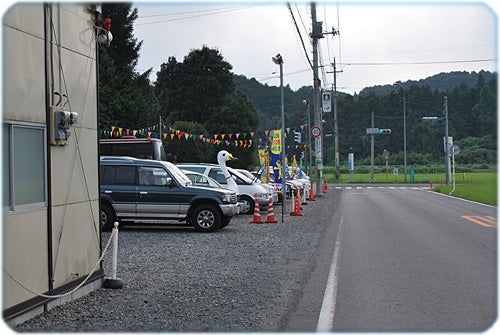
x=178 y=174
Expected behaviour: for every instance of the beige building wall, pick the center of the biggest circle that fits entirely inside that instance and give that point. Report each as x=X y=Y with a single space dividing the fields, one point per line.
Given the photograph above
x=73 y=168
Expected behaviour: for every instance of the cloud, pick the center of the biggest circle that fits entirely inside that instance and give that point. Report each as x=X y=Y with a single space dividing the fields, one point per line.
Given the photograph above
x=379 y=43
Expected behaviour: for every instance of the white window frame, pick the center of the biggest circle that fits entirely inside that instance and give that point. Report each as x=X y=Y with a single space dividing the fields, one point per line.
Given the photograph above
x=12 y=208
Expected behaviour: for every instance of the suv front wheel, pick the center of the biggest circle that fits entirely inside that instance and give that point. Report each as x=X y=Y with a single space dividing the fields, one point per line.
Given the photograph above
x=206 y=218
x=107 y=218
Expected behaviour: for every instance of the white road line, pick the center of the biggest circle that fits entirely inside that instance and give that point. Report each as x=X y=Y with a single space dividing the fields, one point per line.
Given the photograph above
x=466 y=200
x=348 y=188
x=327 y=313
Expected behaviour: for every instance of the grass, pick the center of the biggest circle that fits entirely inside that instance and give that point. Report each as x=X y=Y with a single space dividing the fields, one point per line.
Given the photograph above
x=480 y=187
x=476 y=186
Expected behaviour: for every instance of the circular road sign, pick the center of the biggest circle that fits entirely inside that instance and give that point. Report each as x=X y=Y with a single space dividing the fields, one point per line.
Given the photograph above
x=315 y=131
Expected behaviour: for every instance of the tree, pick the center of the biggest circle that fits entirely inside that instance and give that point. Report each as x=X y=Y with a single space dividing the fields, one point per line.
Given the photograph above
x=125 y=97
x=201 y=90
x=192 y=90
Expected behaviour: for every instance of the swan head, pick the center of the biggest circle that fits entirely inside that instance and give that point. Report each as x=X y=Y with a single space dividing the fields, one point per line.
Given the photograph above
x=224 y=156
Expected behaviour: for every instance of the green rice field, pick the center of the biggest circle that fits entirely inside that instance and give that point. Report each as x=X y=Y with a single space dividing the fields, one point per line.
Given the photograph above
x=475 y=186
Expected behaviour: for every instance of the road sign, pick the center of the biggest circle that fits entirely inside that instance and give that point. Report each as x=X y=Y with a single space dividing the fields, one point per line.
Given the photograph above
x=350 y=161
x=371 y=131
x=431 y=119
x=315 y=131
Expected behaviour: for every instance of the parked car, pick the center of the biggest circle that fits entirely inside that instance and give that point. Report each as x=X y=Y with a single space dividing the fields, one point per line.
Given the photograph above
x=290 y=186
x=199 y=179
x=150 y=191
x=270 y=188
x=249 y=190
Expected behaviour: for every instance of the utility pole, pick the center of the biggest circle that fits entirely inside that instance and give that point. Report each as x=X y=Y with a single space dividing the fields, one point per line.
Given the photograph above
x=318 y=142
x=372 y=154
x=446 y=144
x=336 y=120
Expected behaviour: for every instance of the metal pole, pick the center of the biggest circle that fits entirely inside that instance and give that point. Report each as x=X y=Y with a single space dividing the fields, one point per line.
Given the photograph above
x=372 y=149
x=446 y=144
x=279 y=60
x=309 y=167
x=404 y=127
x=283 y=155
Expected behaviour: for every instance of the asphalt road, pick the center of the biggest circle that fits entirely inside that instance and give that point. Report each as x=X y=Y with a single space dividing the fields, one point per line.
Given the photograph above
x=391 y=259
x=407 y=259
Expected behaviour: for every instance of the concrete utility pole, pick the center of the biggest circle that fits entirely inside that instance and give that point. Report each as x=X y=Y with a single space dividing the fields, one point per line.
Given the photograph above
x=336 y=119
x=372 y=152
x=446 y=139
x=315 y=35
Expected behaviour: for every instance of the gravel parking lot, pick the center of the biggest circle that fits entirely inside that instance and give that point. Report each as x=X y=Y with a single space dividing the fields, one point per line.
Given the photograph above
x=245 y=277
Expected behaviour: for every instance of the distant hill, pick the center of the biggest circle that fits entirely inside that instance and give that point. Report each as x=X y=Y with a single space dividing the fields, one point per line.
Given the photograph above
x=472 y=99
x=441 y=82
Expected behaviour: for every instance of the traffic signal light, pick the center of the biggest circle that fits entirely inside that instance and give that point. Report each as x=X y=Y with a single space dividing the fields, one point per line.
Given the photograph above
x=298 y=136
x=278 y=59
x=384 y=131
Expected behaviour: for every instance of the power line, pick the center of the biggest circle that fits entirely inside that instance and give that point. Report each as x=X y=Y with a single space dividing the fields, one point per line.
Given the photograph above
x=300 y=35
x=420 y=63
x=232 y=9
x=190 y=12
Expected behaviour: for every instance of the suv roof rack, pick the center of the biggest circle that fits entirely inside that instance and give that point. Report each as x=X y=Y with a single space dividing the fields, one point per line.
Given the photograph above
x=119 y=158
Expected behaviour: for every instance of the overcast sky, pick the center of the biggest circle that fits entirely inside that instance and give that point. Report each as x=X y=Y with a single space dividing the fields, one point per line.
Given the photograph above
x=378 y=42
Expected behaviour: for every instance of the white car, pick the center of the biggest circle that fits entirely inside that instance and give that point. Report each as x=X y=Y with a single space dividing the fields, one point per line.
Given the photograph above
x=270 y=188
x=249 y=190
x=199 y=179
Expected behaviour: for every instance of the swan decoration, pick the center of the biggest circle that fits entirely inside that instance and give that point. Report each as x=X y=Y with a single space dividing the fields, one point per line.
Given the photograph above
x=222 y=157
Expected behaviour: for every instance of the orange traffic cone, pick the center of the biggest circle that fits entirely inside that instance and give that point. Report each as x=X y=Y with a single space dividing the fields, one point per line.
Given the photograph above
x=311 y=194
x=324 y=187
x=296 y=207
x=256 y=213
x=270 y=213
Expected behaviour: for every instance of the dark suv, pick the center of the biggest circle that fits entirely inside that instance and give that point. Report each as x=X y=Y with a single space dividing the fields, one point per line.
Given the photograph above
x=150 y=191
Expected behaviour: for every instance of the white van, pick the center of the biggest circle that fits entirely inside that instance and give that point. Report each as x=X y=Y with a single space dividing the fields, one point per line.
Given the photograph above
x=248 y=189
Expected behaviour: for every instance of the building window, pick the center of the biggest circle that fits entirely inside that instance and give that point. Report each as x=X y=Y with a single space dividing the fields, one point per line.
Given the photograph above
x=24 y=166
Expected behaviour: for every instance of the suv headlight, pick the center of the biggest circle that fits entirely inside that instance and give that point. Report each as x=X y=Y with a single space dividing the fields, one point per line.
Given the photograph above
x=225 y=197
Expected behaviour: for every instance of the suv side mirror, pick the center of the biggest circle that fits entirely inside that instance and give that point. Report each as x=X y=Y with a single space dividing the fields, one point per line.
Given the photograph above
x=168 y=181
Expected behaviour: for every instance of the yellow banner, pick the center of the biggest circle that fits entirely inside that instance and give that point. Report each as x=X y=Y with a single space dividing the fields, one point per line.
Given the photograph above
x=276 y=144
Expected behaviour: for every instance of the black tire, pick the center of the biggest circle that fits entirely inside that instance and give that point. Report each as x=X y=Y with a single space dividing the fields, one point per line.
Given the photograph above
x=248 y=205
x=225 y=221
x=107 y=218
x=206 y=218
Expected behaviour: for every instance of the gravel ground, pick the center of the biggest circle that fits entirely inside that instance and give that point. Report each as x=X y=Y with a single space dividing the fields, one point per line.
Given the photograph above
x=245 y=277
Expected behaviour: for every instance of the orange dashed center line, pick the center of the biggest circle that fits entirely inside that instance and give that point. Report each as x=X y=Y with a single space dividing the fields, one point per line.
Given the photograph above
x=485 y=221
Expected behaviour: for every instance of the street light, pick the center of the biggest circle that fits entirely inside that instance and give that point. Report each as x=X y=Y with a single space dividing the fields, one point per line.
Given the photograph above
x=404 y=126
x=279 y=61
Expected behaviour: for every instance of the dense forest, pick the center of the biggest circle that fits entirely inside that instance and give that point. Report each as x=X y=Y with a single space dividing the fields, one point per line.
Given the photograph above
x=472 y=110
x=235 y=113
